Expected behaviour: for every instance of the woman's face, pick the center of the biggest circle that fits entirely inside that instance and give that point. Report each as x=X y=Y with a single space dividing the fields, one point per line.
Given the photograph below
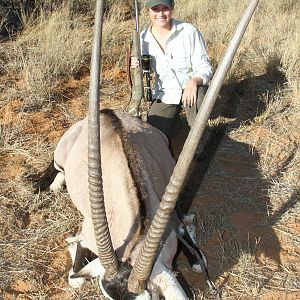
x=160 y=15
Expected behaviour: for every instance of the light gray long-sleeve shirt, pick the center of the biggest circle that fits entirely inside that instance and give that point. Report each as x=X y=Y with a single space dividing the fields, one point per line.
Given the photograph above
x=184 y=58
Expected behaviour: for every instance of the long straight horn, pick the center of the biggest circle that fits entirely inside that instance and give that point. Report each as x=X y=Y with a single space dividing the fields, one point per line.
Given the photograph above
x=105 y=249
x=144 y=262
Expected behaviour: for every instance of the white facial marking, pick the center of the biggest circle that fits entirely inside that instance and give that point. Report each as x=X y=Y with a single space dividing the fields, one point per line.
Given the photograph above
x=75 y=282
x=144 y=296
x=169 y=286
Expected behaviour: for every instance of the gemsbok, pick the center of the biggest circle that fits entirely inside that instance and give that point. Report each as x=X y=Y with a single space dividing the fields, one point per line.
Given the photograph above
x=120 y=175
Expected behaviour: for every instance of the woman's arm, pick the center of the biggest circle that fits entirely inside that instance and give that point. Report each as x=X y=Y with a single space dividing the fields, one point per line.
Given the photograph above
x=189 y=96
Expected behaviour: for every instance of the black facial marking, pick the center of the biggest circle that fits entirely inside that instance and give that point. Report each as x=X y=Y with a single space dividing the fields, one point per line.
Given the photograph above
x=82 y=258
x=117 y=288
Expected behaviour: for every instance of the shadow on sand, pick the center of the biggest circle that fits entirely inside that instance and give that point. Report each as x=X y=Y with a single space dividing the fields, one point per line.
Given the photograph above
x=226 y=190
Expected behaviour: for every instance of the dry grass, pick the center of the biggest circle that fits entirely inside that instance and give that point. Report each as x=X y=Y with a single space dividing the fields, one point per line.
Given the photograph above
x=245 y=195
x=56 y=47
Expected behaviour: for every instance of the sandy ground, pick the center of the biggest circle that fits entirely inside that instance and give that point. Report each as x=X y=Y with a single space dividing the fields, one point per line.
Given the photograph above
x=246 y=246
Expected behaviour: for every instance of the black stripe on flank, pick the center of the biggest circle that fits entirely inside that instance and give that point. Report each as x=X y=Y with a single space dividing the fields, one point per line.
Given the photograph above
x=133 y=161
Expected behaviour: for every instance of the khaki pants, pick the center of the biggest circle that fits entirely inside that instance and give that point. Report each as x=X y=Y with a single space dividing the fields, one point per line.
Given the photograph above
x=164 y=116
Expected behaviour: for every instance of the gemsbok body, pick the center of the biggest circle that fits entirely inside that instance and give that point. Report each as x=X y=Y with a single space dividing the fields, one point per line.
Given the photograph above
x=136 y=167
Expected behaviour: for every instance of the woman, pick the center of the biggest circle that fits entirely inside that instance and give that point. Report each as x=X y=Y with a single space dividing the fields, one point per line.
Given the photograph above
x=180 y=63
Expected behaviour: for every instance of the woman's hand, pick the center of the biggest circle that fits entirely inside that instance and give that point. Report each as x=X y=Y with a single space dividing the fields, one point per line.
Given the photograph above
x=189 y=96
x=134 y=62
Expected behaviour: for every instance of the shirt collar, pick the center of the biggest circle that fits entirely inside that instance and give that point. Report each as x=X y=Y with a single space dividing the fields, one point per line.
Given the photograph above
x=176 y=27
